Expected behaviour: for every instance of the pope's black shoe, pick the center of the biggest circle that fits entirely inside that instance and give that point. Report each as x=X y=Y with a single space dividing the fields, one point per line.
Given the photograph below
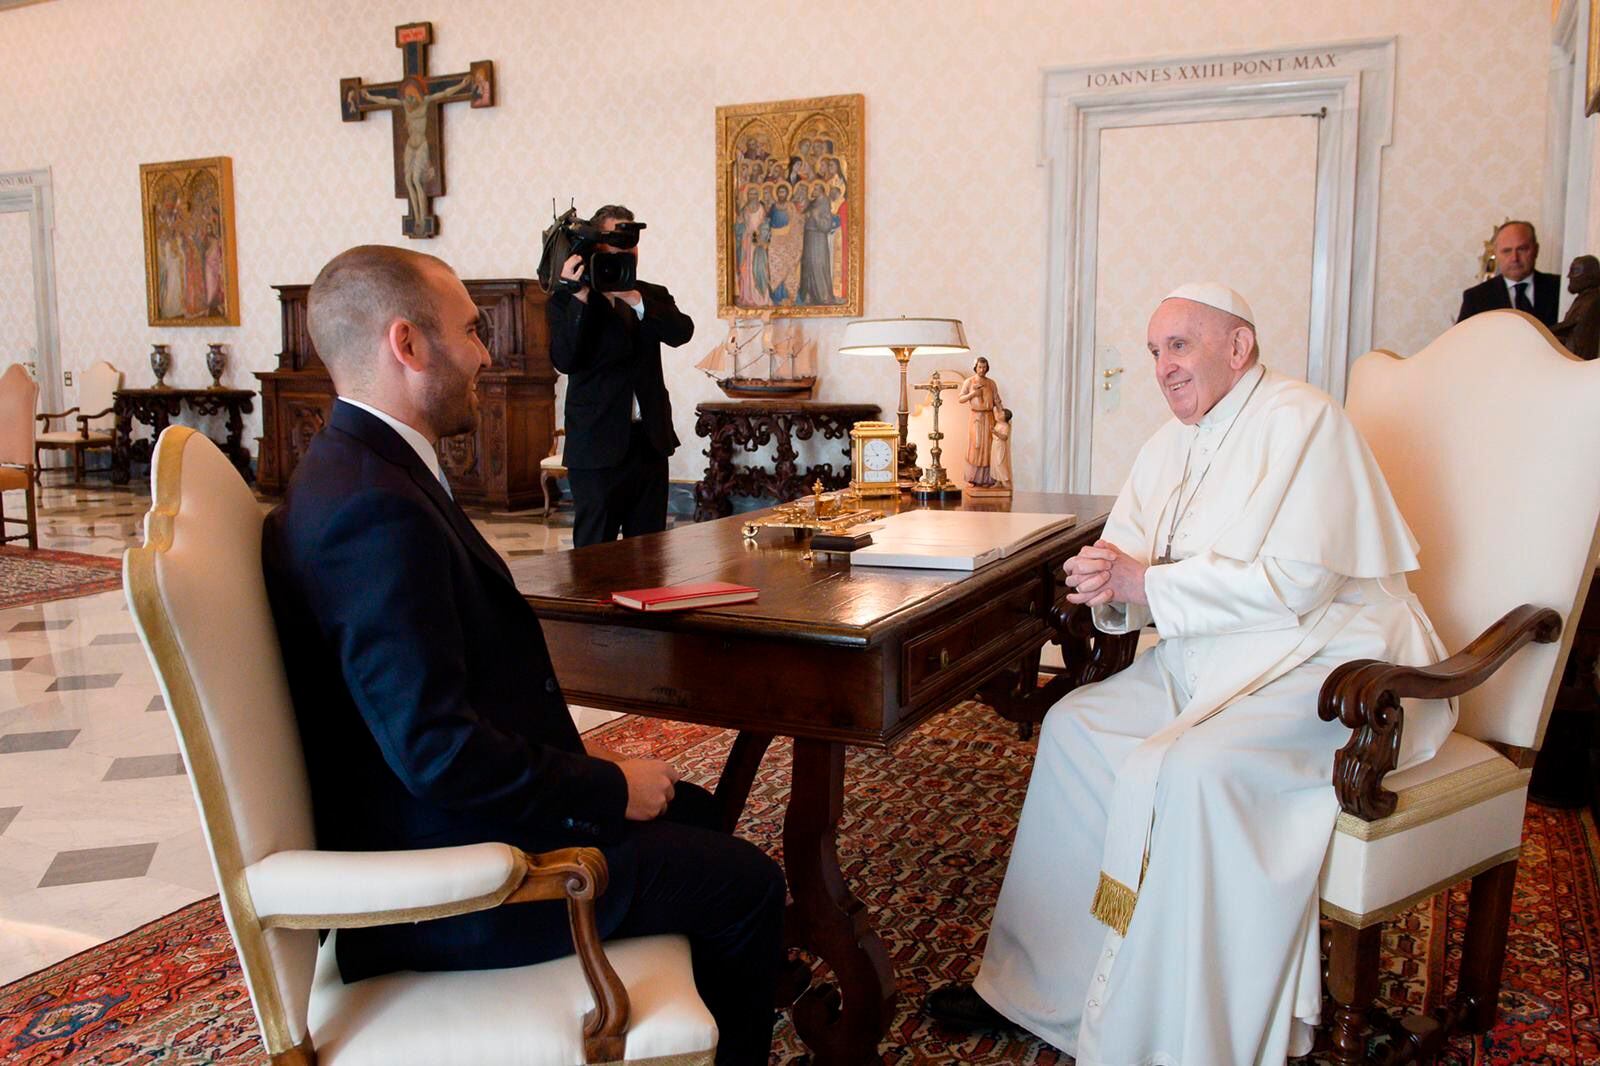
x=961 y=1006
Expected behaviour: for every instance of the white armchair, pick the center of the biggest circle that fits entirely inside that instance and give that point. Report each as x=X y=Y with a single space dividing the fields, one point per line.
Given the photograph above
x=1488 y=438
x=94 y=415
x=199 y=601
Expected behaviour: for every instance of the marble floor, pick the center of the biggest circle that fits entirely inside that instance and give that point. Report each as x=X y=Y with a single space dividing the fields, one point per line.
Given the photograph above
x=98 y=830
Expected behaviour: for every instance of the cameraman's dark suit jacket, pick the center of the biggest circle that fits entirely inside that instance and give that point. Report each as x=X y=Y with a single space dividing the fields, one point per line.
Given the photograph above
x=1491 y=295
x=427 y=705
x=609 y=356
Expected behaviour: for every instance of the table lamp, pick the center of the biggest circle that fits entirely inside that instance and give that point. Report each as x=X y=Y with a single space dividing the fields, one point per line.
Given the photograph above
x=903 y=338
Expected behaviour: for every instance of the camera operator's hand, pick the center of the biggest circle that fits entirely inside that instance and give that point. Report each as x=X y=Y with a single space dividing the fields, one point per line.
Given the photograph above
x=572 y=270
x=631 y=297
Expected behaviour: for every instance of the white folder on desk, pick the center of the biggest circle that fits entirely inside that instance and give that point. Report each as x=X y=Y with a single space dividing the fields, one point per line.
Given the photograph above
x=955 y=540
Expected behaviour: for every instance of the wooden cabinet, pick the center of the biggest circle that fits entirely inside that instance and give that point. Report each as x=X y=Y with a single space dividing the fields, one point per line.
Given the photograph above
x=496 y=466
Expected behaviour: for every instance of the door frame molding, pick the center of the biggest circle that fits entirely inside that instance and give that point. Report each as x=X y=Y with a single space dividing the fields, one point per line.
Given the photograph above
x=31 y=191
x=1353 y=80
x=1569 y=139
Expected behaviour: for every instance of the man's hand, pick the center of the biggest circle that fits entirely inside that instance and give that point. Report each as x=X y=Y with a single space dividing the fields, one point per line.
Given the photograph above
x=1103 y=573
x=650 y=784
x=572 y=270
x=631 y=297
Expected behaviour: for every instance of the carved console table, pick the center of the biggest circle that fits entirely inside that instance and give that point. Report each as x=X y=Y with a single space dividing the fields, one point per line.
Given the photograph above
x=754 y=424
x=157 y=408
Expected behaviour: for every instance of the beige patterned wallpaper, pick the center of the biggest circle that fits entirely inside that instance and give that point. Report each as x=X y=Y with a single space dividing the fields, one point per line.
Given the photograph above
x=1175 y=206
x=956 y=195
x=17 y=332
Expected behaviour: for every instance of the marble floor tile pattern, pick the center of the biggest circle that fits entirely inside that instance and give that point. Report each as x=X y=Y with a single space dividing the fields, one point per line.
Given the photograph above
x=98 y=829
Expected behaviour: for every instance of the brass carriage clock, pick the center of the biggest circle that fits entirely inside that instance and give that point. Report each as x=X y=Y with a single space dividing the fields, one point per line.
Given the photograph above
x=874 y=453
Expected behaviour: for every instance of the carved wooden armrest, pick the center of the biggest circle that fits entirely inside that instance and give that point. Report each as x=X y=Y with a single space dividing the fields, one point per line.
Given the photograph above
x=1365 y=695
x=84 y=420
x=347 y=890
x=1089 y=654
x=579 y=875
x=46 y=416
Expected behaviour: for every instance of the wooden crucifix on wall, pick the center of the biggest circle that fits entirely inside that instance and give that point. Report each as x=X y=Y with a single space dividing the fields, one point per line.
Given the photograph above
x=416 y=103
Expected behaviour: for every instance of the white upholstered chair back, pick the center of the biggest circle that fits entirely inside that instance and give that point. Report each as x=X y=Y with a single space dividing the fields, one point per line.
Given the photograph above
x=100 y=381
x=200 y=604
x=19 y=401
x=1490 y=439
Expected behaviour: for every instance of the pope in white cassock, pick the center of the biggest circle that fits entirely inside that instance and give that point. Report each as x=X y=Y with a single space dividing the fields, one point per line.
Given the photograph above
x=1161 y=902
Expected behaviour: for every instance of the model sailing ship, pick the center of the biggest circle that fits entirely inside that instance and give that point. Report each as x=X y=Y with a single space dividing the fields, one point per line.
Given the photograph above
x=763 y=360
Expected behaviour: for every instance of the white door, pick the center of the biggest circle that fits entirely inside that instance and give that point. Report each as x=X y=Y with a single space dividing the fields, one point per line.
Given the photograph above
x=1231 y=201
x=19 y=328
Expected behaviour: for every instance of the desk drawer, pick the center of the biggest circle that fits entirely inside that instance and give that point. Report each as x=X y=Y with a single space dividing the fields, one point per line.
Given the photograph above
x=931 y=659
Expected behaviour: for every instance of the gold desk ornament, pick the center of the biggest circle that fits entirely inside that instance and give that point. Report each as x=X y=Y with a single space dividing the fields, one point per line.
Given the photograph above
x=821 y=512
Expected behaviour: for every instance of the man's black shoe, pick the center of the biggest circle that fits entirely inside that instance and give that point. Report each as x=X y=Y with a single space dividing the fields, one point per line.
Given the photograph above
x=962 y=1007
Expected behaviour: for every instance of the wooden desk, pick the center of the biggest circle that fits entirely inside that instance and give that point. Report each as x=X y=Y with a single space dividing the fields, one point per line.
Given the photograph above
x=157 y=407
x=829 y=656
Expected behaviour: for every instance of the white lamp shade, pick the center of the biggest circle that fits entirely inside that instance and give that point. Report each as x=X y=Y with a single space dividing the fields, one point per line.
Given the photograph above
x=925 y=336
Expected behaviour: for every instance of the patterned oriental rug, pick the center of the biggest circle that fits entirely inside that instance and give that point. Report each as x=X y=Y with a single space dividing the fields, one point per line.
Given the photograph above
x=39 y=576
x=927 y=830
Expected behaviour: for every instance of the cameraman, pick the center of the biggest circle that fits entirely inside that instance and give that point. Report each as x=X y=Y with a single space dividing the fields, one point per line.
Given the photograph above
x=619 y=417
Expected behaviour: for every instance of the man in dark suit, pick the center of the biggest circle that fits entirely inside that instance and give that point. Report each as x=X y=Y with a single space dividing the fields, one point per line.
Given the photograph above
x=619 y=417
x=1517 y=285
x=428 y=708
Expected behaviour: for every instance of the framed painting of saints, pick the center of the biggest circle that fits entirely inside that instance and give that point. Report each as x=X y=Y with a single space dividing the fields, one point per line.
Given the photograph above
x=191 y=263
x=791 y=207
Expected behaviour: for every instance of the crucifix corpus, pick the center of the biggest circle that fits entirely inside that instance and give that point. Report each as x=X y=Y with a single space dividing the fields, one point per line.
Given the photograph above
x=415 y=101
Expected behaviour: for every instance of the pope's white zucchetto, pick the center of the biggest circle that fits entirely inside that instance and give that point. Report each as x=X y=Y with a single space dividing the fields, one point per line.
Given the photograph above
x=1213 y=294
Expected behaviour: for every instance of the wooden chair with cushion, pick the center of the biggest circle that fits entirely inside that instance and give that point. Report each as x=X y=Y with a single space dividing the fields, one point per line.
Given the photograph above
x=95 y=427
x=200 y=604
x=19 y=399
x=1488 y=438
x=552 y=467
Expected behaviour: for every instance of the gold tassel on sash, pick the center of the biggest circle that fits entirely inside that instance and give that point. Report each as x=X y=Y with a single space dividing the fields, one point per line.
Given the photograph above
x=1113 y=904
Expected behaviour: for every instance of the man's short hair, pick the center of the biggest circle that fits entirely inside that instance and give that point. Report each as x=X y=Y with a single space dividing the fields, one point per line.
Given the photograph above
x=611 y=211
x=1533 y=234
x=358 y=294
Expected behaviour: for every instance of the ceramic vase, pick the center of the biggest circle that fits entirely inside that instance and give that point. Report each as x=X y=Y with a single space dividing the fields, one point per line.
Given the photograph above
x=216 y=360
x=160 y=363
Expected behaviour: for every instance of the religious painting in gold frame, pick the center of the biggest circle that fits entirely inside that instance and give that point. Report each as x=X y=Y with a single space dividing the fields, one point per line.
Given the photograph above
x=1592 y=85
x=791 y=208
x=191 y=261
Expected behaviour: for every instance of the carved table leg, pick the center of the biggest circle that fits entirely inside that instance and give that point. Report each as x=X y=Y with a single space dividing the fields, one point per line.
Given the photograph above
x=739 y=774
x=1353 y=984
x=121 y=443
x=235 y=448
x=711 y=493
x=829 y=921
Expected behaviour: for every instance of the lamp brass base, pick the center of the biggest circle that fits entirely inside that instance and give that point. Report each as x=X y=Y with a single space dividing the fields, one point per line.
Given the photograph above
x=947 y=491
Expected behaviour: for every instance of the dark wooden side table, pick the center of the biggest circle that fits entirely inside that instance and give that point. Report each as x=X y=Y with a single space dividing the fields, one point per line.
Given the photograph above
x=753 y=424
x=157 y=408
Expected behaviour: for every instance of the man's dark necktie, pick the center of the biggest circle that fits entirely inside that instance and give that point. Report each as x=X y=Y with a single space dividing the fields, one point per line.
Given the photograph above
x=1523 y=303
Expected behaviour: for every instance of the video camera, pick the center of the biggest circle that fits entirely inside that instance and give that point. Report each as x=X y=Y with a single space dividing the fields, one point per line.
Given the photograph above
x=570 y=235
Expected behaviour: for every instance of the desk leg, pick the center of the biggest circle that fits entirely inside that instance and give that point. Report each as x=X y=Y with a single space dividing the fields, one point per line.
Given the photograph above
x=739 y=774
x=828 y=921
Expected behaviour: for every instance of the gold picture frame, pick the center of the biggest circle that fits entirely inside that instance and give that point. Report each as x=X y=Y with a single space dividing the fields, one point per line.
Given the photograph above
x=191 y=260
x=1592 y=84
x=809 y=152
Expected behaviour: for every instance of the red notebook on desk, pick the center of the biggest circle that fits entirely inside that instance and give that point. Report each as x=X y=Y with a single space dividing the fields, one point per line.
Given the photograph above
x=683 y=597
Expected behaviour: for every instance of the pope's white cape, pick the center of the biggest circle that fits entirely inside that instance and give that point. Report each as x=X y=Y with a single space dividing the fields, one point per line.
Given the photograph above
x=1301 y=486
x=1200 y=847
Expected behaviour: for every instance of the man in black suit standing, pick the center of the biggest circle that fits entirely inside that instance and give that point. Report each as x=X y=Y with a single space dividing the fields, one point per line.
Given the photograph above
x=427 y=704
x=1516 y=247
x=619 y=417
